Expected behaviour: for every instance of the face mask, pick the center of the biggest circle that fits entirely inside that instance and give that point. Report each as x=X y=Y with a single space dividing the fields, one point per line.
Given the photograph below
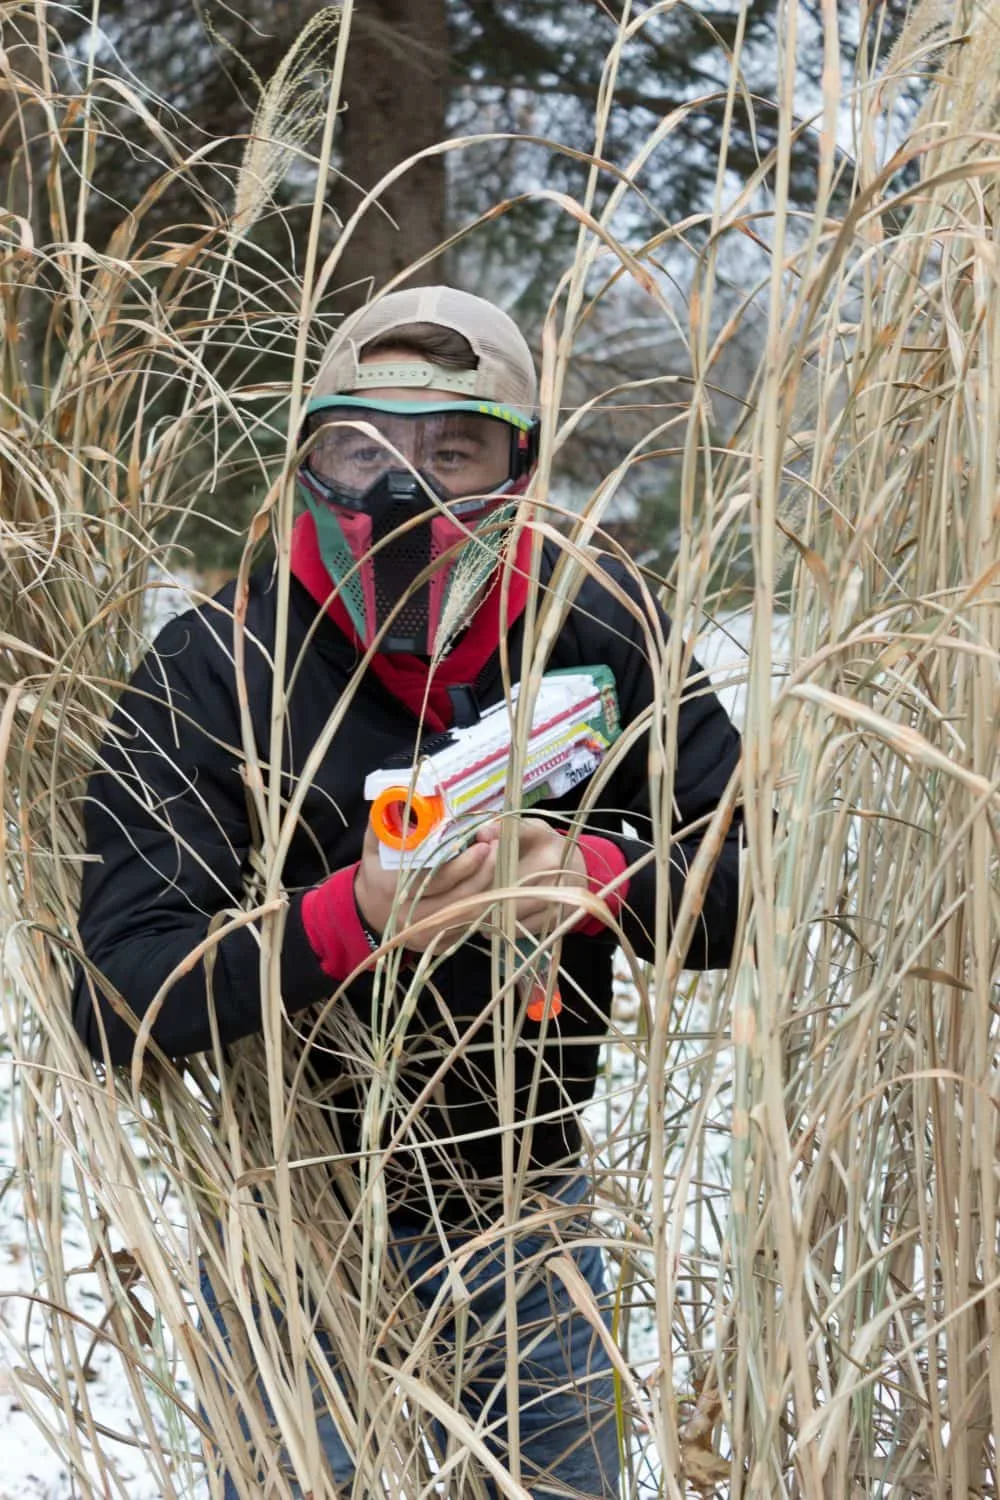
x=413 y=504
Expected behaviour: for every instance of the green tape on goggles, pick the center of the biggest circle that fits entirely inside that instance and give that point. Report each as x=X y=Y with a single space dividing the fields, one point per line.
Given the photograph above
x=508 y=414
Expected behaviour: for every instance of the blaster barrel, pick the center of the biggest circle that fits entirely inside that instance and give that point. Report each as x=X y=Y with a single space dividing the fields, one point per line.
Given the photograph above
x=402 y=819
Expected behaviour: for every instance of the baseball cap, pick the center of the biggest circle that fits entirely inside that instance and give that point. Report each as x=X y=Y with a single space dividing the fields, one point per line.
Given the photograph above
x=505 y=373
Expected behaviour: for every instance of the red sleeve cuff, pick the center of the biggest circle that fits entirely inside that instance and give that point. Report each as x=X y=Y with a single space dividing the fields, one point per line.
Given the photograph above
x=333 y=926
x=605 y=862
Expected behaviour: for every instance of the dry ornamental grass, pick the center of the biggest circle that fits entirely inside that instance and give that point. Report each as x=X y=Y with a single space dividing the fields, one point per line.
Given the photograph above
x=795 y=1161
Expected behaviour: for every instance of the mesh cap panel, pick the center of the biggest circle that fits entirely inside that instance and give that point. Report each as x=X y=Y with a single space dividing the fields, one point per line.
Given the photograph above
x=505 y=373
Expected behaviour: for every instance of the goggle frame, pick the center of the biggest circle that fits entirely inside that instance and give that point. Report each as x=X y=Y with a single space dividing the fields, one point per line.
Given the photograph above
x=523 y=450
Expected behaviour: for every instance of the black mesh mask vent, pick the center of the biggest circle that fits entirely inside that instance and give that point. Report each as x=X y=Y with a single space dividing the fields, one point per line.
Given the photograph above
x=398 y=561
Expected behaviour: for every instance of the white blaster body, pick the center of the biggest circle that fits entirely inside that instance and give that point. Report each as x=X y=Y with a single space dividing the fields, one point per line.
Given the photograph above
x=424 y=815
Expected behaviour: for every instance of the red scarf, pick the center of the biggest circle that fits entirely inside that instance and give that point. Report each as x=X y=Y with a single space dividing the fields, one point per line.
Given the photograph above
x=406 y=676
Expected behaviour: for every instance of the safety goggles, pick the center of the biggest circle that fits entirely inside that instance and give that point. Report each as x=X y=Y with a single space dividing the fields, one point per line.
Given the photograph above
x=465 y=448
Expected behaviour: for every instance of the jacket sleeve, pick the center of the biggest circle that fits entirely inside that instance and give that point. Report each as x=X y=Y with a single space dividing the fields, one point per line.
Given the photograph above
x=168 y=839
x=707 y=750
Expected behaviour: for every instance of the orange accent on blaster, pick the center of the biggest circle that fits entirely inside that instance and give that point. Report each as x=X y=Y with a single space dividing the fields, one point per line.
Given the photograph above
x=540 y=1003
x=402 y=820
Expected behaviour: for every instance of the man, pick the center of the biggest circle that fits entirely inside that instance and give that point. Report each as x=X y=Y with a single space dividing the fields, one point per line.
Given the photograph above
x=419 y=442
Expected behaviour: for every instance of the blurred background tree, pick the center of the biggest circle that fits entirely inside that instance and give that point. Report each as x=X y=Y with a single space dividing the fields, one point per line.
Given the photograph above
x=527 y=72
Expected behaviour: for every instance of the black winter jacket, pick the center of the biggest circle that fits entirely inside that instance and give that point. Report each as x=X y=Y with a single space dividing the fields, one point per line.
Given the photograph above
x=167 y=819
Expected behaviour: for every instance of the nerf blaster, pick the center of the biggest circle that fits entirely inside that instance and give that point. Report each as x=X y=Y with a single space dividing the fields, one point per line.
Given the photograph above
x=423 y=815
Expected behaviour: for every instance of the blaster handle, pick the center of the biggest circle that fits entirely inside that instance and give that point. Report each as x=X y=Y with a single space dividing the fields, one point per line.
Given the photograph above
x=402 y=819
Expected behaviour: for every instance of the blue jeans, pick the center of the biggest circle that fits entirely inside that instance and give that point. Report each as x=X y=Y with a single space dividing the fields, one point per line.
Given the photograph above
x=568 y=1436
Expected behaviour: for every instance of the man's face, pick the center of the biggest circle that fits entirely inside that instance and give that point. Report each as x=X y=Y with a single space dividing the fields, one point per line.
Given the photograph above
x=465 y=452
x=400 y=478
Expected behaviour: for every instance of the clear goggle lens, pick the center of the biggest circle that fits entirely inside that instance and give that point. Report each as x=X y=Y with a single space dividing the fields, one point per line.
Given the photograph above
x=465 y=452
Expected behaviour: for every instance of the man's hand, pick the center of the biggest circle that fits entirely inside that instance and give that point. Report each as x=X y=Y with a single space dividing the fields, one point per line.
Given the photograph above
x=460 y=891
x=543 y=859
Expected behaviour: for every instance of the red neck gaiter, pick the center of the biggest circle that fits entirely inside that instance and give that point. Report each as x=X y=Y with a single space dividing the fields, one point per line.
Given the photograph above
x=405 y=676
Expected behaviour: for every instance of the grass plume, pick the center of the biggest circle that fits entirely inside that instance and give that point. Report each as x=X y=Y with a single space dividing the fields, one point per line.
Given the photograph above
x=796 y=1162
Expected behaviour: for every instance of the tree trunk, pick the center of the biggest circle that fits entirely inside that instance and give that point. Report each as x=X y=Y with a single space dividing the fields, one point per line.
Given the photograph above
x=22 y=180
x=396 y=95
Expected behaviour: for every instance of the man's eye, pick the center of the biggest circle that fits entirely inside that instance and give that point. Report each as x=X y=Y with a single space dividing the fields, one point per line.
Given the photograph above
x=369 y=454
x=453 y=456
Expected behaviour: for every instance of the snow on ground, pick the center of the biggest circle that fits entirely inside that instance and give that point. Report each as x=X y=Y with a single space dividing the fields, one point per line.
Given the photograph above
x=29 y=1467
